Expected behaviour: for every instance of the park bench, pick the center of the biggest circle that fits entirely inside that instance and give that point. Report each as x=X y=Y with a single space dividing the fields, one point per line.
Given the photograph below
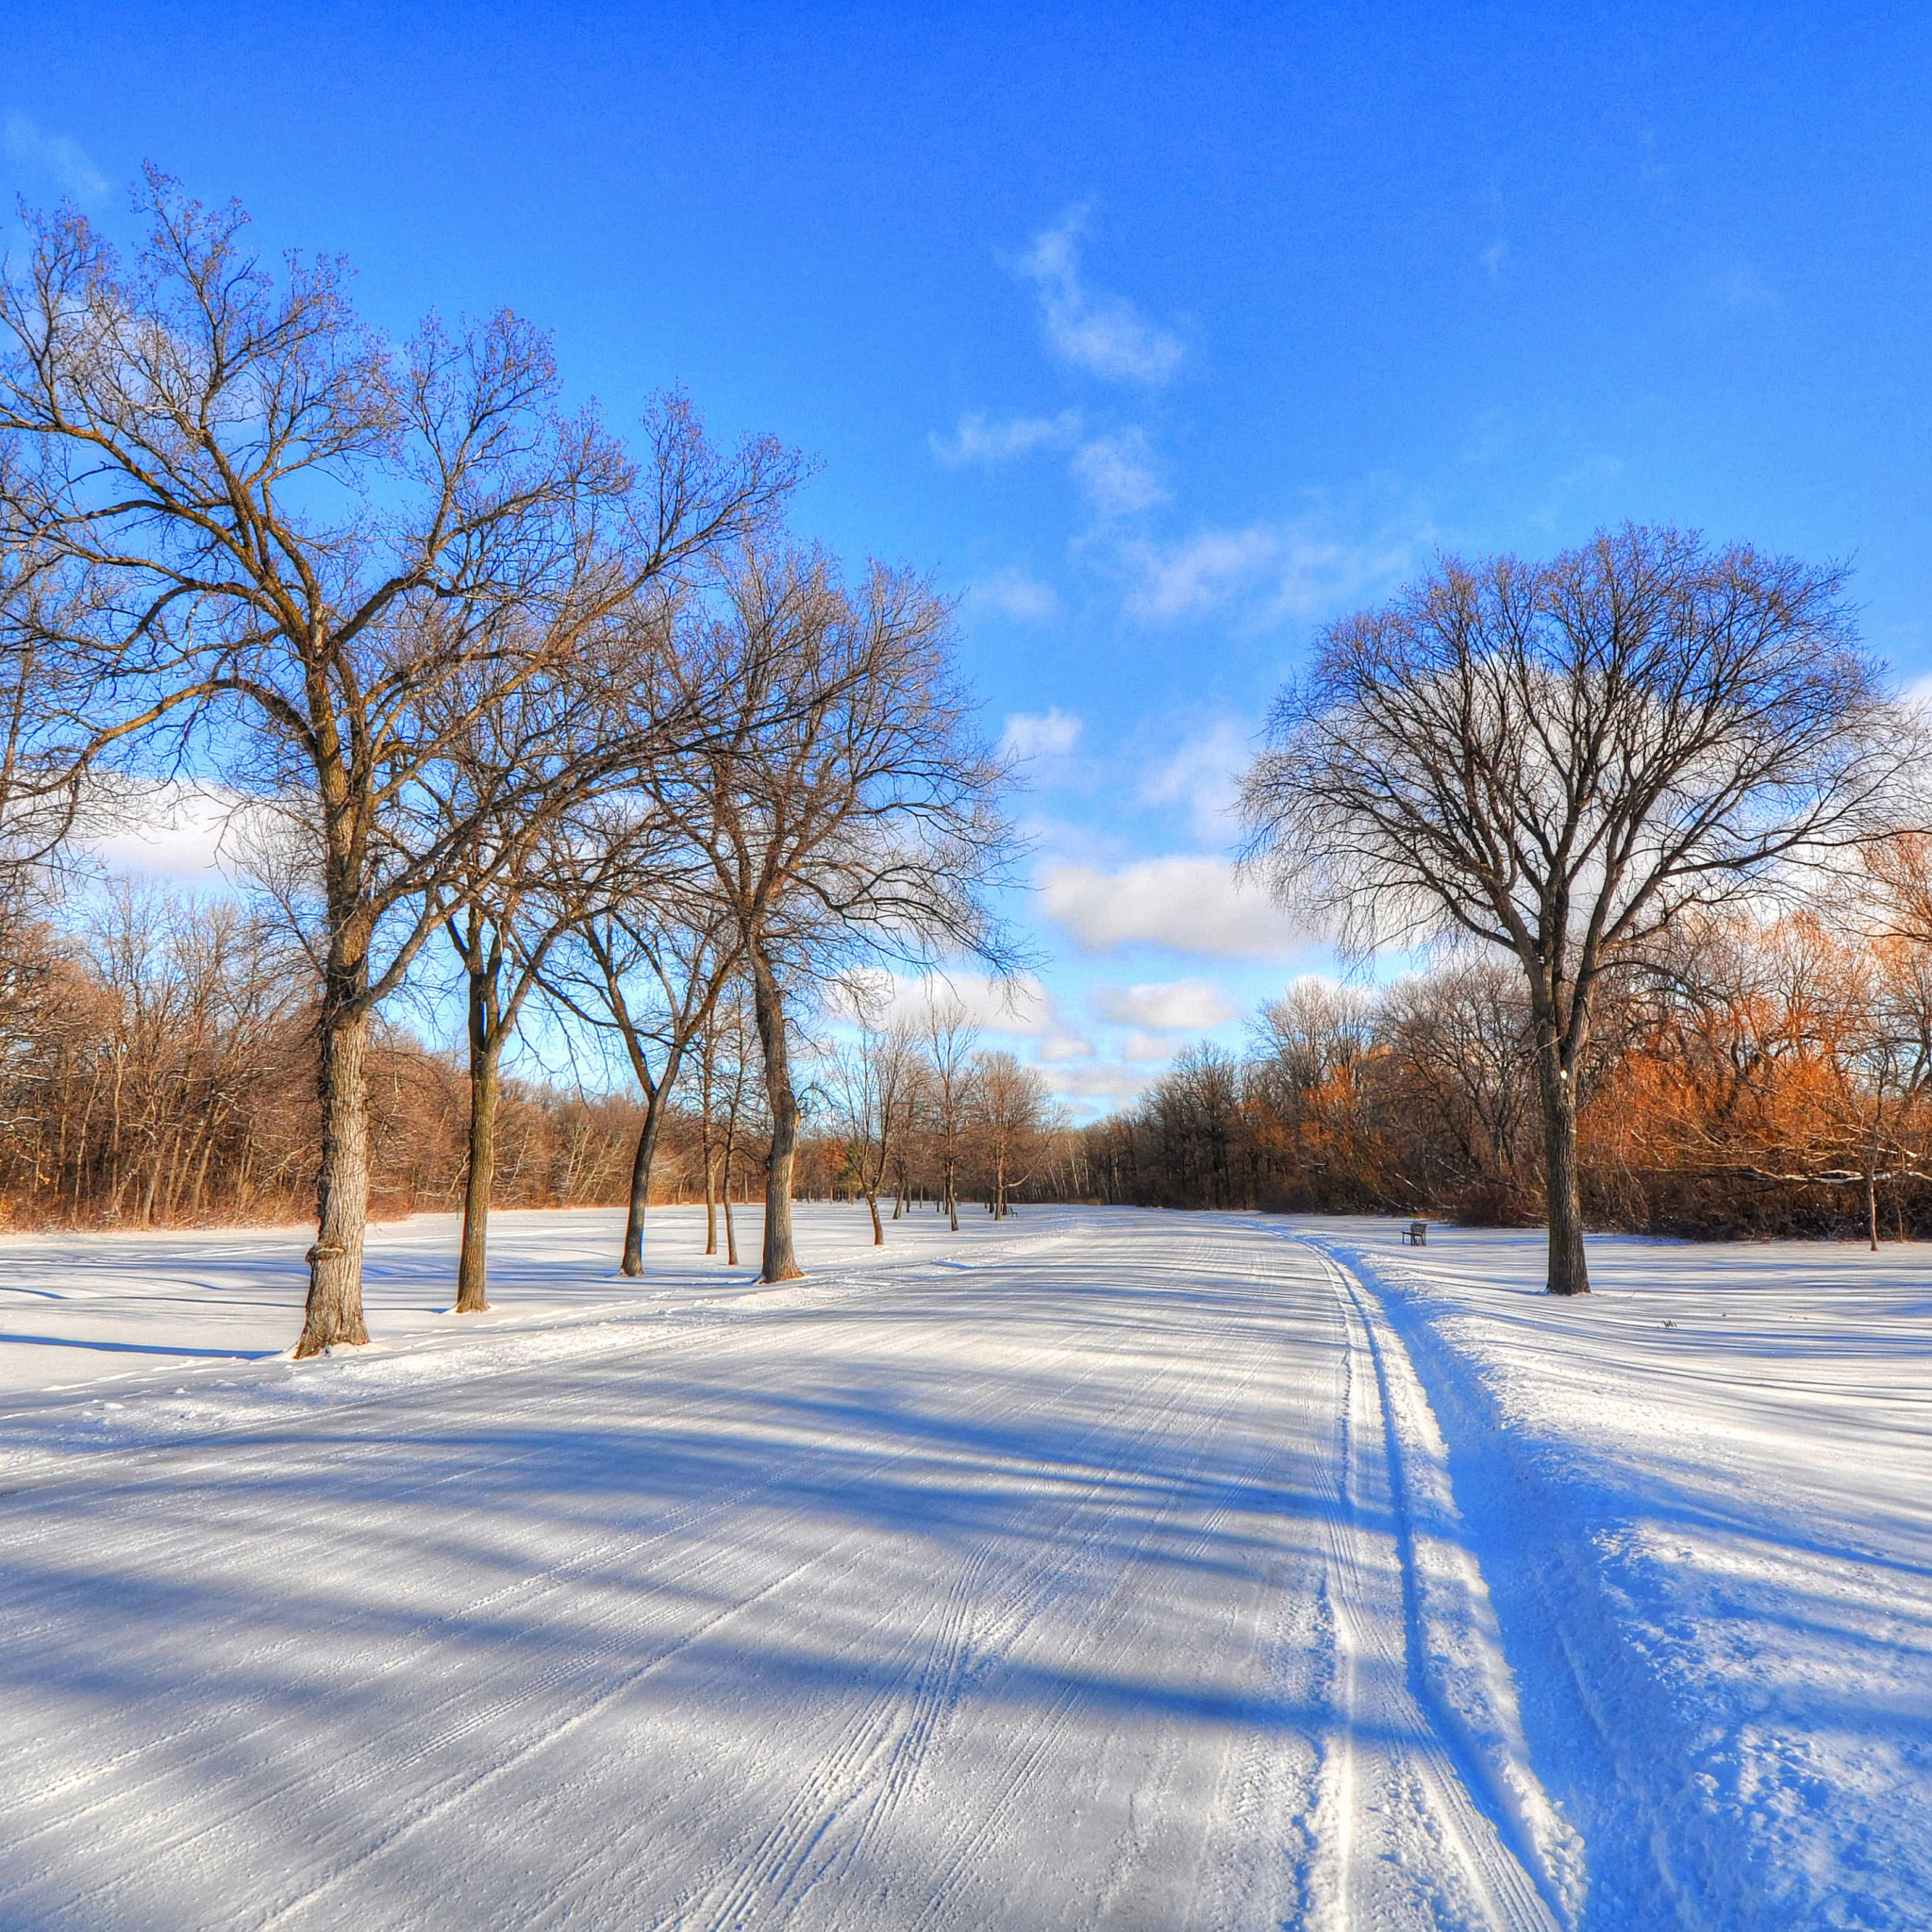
x=1418 y=1234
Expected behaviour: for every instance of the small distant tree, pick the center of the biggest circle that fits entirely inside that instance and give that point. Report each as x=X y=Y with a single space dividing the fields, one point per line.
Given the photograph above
x=872 y=1083
x=949 y=1091
x=645 y=967
x=728 y=1085
x=1015 y=1118
x=1560 y=758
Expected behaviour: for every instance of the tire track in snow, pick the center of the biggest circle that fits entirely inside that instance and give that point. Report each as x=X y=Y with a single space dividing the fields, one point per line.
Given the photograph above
x=1382 y=1670
x=1105 y=1622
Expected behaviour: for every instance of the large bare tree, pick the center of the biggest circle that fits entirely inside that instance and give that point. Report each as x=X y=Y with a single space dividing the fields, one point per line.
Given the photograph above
x=306 y=535
x=1559 y=759
x=854 y=813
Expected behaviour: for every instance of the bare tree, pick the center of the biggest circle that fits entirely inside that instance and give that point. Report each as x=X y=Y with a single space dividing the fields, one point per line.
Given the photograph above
x=1559 y=759
x=852 y=812
x=646 y=966
x=730 y=1092
x=949 y=1040
x=1014 y=1118
x=873 y=1083
x=308 y=537
x=1465 y=1044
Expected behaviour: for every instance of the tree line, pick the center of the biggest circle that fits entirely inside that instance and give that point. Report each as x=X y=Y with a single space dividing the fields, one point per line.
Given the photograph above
x=1767 y=1073
x=157 y=1068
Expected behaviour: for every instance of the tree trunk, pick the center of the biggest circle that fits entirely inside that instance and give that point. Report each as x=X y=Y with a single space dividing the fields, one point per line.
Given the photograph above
x=780 y=1260
x=1569 y=1273
x=473 y=1267
x=641 y=1170
x=879 y=1232
x=710 y=1202
x=1871 y=1173
x=335 y=1262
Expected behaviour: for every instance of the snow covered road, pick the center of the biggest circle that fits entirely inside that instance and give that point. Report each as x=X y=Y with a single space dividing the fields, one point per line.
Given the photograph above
x=1099 y=1569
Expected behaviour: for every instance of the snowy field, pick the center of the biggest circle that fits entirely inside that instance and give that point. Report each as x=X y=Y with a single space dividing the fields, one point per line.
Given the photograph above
x=1102 y=1569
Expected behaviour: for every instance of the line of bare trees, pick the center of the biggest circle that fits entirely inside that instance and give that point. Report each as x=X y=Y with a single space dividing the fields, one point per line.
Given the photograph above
x=918 y=1109
x=493 y=697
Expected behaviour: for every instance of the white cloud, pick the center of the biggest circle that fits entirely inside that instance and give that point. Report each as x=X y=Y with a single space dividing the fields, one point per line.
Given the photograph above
x=1051 y=733
x=1290 y=570
x=981 y=439
x=1117 y=473
x=1203 y=777
x=1168 y=1006
x=1095 y=1081
x=1147 y=1048
x=1101 y=333
x=59 y=155
x=1493 y=258
x=1187 y=905
x=173 y=830
x=1058 y=1047
x=1020 y=1006
x=1013 y=593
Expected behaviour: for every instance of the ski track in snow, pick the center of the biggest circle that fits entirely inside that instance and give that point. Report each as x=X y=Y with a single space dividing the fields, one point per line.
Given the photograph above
x=1100 y=1570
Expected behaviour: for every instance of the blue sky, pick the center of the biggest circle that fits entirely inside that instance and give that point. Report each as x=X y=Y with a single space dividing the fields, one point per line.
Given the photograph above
x=1159 y=335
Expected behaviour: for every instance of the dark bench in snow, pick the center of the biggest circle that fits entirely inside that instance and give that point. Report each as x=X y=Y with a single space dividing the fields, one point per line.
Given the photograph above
x=1418 y=1234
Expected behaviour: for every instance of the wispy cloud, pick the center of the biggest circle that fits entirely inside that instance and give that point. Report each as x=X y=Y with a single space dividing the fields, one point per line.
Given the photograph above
x=1743 y=289
x=1096 y=1080
x=1052 y=733
x=1168 y=1006
x=1296 y=568
x=1102 y=333
x=1117 y=473
x=1020 y=1006
x=1203 y=776
x=1184 y=905
x=55 y=156
x=982 y=438
x=1013 y=593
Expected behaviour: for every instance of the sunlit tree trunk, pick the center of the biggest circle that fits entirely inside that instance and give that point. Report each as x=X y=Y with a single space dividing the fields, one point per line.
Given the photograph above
x=767 y=1000
x=1569 y=1272
x=334 y=1314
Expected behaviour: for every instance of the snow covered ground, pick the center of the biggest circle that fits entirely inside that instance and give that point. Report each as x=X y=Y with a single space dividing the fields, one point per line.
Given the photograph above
x=1099 y=1568
x=1702 y=1499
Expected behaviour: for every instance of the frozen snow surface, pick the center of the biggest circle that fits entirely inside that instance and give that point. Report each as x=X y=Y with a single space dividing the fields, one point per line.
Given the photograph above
x=1098 y=1569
